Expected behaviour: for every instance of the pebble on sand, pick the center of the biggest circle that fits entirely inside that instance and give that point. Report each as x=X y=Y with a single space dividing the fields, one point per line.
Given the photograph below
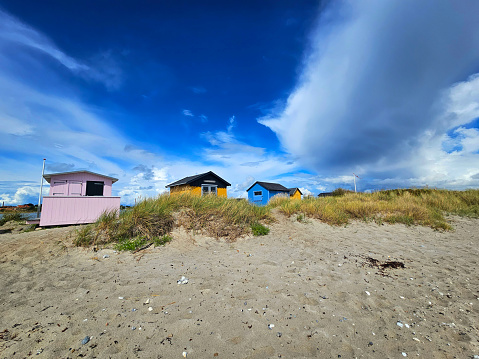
x=182 y=280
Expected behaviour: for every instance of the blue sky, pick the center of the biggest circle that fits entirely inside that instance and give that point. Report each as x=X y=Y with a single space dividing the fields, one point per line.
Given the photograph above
x=303 y=93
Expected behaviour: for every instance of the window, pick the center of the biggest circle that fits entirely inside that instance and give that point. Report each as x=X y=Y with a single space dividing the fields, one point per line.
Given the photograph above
x=59 y=188
x=74 y=188
x=94 y=188
x=207 y=189
x=258 y=193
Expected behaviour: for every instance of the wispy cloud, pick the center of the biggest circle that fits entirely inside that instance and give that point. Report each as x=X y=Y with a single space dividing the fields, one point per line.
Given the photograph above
x=188 y=113
x=242 y=162
x=59 y=167
x=372 y=91
x=198 y=89
x=16 y=38
x=14 y=32
x=41 y=118
x=232 y=124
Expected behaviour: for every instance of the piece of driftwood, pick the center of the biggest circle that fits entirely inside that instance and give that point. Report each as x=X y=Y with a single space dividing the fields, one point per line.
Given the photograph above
x=142 y=248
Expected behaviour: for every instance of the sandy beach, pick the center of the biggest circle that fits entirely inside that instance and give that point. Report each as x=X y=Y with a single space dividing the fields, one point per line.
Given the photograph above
x=305 y=290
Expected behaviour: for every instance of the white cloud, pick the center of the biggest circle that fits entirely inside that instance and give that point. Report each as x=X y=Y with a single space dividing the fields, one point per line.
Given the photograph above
x=306 y=192
x=373 y=95
x=461 y=103
x=22 y=195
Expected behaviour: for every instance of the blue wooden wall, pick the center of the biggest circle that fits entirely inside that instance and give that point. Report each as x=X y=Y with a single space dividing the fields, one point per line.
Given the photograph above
x=264 y=198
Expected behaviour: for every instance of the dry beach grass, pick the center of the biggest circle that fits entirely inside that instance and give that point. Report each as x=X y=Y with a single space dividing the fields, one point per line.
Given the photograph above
x=230 y=218
x=314 y=282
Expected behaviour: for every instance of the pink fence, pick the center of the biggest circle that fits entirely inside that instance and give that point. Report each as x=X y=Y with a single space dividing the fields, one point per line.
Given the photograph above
x=60 y=210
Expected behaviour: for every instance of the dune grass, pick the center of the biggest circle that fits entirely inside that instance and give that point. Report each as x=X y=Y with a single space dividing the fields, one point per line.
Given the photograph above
x=426 y=207
x=153 y=219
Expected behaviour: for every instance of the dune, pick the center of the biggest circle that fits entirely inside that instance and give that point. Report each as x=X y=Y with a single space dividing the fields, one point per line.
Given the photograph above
x=304 y=290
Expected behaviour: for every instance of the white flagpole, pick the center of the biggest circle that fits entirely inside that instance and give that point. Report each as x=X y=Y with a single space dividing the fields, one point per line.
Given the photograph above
x=41 y=189
x=354 y=177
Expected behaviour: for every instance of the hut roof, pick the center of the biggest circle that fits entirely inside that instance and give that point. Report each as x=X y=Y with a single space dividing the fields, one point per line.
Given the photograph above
x=270 y=186
x=189 y=179
x=48 y=176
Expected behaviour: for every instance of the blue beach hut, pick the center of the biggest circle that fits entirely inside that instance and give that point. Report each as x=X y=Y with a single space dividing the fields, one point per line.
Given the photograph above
x=261 y=192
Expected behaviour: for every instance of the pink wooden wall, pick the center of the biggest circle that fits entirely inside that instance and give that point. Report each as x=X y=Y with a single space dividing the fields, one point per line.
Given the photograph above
x=74 y=184
x=60 y=210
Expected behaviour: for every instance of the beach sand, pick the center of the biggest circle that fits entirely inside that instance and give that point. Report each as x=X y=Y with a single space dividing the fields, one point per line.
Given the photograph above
x=312 y=281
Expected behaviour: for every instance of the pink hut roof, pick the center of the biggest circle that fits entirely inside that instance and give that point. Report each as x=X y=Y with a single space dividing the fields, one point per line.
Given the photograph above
x=48 y=177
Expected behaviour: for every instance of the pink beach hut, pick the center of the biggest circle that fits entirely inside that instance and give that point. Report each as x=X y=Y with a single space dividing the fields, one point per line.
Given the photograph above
x=77 y=197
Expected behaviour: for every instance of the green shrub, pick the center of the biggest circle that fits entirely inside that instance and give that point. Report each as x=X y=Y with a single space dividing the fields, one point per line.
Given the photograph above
x=30 y=228
x=14 y=216
x=259 y=230
x=161 y=241
x=131 y=244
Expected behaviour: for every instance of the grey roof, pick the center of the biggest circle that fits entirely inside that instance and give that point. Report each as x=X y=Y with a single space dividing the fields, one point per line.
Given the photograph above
x=48 y=176
x=292 y=190
x=190 y=179
x=270 y=186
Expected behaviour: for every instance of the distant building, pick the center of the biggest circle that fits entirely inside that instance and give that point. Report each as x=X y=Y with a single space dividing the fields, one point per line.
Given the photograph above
x=261 y=192
x=200 y=185
x=28 y=205
x=77 y=197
